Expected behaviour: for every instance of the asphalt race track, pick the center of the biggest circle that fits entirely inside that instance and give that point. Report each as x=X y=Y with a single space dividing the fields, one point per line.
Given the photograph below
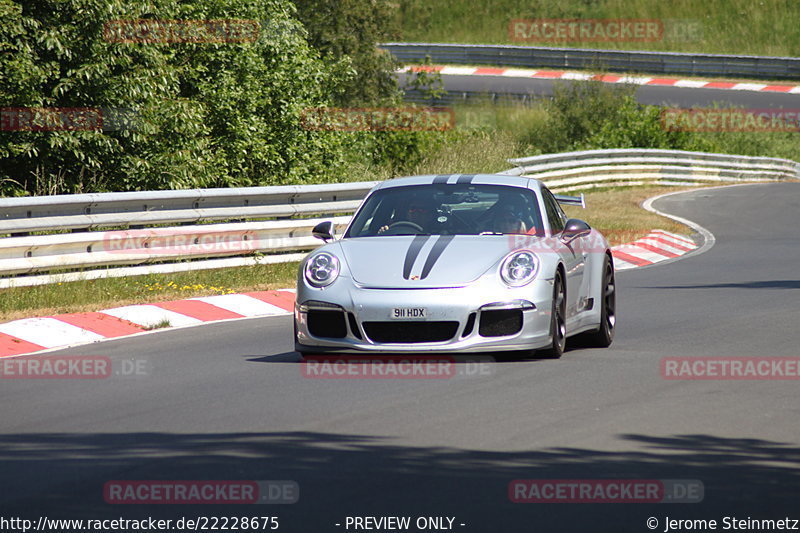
x=228 y=401
x=475 y=86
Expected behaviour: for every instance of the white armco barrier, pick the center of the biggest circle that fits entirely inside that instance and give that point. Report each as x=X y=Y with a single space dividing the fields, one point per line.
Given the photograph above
x=604 y=168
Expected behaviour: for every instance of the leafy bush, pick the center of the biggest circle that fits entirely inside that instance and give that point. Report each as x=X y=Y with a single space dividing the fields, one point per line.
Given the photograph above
x=637 y=126
x=349 y=31
x=594 y=115
x=206 y=114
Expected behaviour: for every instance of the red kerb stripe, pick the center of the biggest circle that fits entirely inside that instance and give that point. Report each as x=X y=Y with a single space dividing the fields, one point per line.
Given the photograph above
x=638 y=261
x=10 y=345
x=494 y=71
x=655 y=249
x=282 y=299
x=100 y=323
x=200 y=310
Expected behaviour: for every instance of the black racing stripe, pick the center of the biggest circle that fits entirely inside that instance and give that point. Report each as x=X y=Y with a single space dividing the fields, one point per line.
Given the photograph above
x=465 y=179
x=436 y=251
x=412 y=253
x=441 y=179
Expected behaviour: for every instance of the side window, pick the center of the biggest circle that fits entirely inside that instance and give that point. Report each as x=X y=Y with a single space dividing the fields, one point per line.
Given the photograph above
x=555 y=215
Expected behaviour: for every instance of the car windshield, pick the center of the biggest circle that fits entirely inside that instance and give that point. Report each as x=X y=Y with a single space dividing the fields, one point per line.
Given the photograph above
x=436 y=209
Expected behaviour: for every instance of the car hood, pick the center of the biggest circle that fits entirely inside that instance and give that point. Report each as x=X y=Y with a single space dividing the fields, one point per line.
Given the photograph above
x=423 y=261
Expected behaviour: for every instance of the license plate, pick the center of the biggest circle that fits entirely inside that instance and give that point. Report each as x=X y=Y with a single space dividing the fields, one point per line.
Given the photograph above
x=408 y=313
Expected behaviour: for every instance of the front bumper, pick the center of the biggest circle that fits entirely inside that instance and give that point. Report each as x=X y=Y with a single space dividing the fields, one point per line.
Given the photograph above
x=345 y=318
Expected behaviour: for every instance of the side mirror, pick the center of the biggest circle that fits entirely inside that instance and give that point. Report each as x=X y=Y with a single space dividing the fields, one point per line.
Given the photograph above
x=575 y=228
x=323 y=230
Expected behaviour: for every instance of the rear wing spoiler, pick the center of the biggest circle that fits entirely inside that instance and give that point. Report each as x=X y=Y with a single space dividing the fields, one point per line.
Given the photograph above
x=571 y=200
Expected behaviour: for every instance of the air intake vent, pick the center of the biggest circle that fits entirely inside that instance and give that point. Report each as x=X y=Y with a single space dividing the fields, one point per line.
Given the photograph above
x=500 y=323
x=410 y=332
x=327 y=324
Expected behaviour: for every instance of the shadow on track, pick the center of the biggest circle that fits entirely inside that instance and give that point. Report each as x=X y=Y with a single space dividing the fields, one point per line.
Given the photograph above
x=340 y=475
x=770 y=284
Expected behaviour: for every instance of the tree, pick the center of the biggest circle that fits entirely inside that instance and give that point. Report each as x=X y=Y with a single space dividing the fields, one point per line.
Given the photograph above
x=204 y=111
x=350 y=30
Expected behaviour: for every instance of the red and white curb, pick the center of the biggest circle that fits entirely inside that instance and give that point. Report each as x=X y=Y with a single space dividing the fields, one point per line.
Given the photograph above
x=607 y=78
x=30 y=335
x=658 y=246
x=35 y=334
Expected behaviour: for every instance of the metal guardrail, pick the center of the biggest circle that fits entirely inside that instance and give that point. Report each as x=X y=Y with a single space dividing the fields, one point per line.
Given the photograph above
x=91 y=211
x=671 y=63
x=572 y=171
x=24 y=255
x=192 y=245
x=30 y=259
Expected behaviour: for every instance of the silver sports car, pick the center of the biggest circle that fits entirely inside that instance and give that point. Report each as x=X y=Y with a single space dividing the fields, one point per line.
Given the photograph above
x=456 y=263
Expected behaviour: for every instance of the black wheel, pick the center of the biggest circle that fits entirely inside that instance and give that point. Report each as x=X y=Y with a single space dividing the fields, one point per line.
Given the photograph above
x=603 y=337
x=558 y=321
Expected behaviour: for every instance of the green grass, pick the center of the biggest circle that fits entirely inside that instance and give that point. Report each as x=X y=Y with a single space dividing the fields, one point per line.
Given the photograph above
x=92 y=295
x=757 y=27
x=164 y=323
x=617 y=213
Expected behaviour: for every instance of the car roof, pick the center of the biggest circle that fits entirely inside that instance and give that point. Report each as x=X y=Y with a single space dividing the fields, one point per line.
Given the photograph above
x=477 y=179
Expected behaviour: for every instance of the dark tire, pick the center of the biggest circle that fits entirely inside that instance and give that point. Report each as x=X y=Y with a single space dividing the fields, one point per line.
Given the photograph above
x=558 y=321
x=604 y=336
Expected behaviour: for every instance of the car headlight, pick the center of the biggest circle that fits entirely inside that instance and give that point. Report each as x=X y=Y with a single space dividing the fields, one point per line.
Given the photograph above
x=322 y=269
x=519 y=268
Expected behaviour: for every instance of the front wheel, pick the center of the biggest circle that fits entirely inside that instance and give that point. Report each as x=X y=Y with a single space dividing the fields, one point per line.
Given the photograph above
x=558 y=321
x=603 y=337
